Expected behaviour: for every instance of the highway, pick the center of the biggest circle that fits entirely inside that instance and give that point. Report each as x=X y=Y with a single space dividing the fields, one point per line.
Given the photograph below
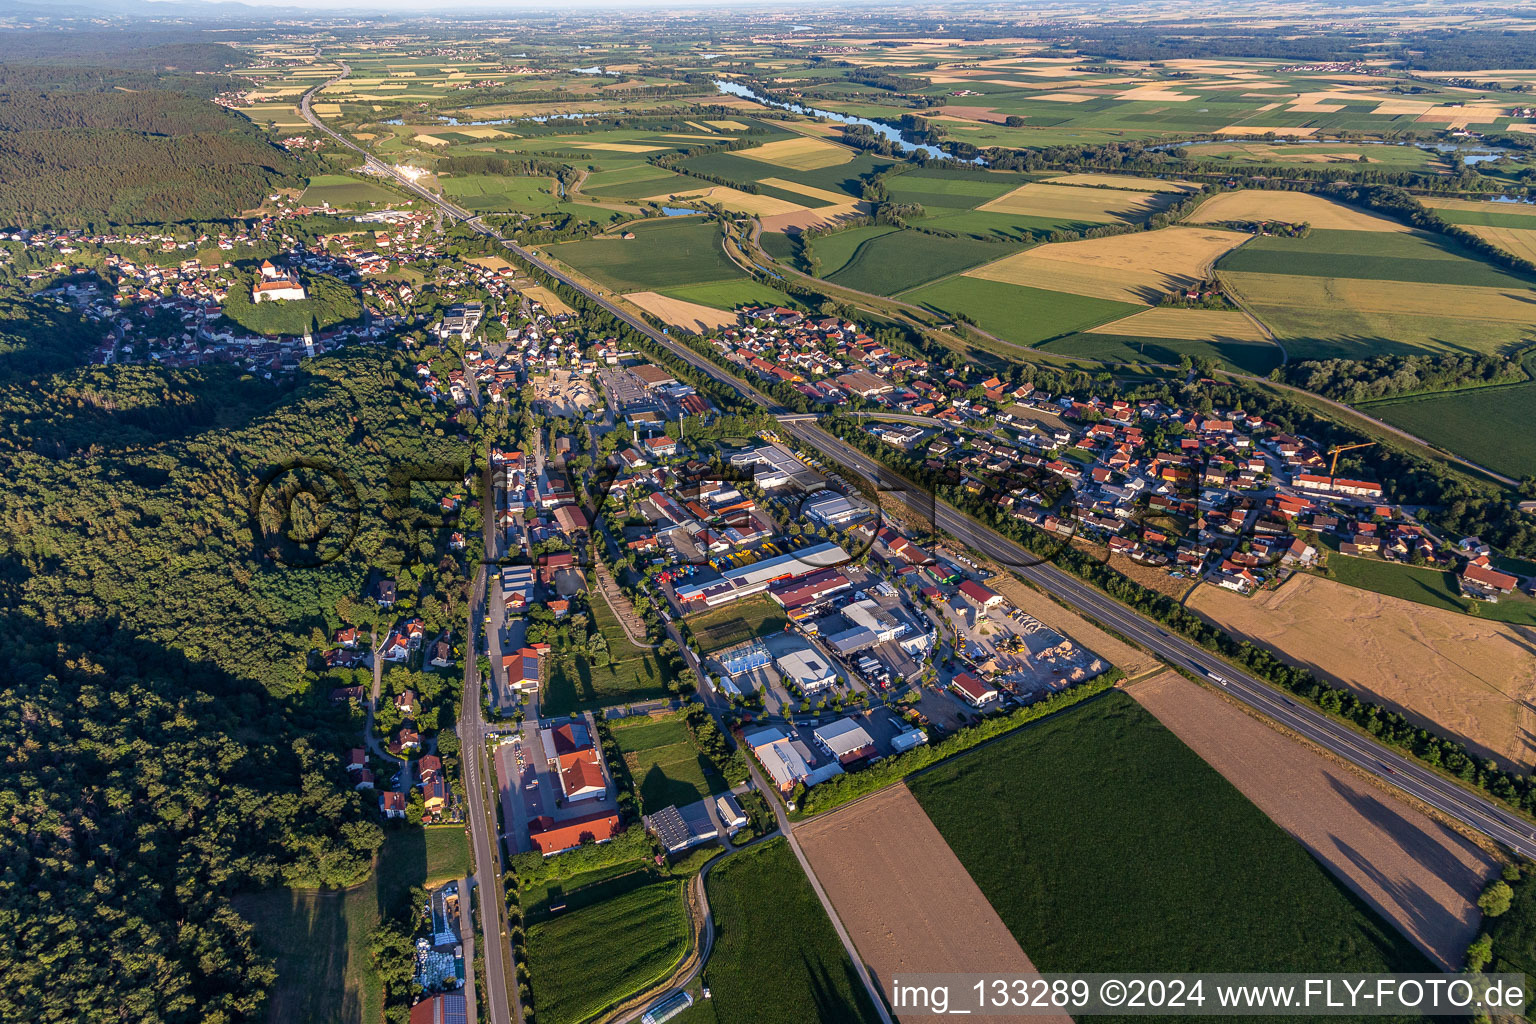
x=1452 y=800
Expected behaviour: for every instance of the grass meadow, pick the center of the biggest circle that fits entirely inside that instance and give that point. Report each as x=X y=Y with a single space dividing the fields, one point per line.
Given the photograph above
x=1490 y=426
x=585 y=960
x=1257 y=358
x=1015 y=313
x=663 y=253
x=1105 y=843
x=1436 y=588
x=776 y=958
x=318 y=940
x=340 y=190
x=732 y=623
x=664 y=762
x=633 y=674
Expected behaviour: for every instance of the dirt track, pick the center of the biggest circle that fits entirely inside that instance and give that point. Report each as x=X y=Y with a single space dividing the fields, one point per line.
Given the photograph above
x=905 y=897
x=1415 y=872
x=1473 y=678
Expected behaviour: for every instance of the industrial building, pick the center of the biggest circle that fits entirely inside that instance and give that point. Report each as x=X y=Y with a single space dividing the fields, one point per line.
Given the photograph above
x=981 y=598
x=832 y=509
x=756 y=578
x=976 y=693
x=904 y=741
x=744 y=657
x=846 y=740
x=806 y=668
x=677 y=833
x=806 y=592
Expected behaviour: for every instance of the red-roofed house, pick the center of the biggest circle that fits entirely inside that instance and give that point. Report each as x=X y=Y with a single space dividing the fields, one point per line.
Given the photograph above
x=979 y=597
x=549 y=837
x=976 y=693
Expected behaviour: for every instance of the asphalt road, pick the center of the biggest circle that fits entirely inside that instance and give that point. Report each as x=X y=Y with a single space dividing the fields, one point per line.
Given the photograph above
x=1453 y=800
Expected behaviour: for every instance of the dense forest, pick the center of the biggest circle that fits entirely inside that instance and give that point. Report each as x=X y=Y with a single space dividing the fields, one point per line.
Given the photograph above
x=169 y=745
x=172 y=157
x=1361 y=380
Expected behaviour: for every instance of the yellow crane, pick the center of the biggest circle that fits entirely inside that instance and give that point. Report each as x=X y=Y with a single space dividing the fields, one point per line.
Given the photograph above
x=1339 y=449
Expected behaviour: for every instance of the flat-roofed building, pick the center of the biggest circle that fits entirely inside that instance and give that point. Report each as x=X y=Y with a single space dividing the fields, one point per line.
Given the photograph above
x=832 y=509
x=807 y=668
x=846 y=740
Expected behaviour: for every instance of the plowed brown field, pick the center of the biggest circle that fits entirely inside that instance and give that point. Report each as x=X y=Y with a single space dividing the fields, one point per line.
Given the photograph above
x=1414 y=871
x=904 y=896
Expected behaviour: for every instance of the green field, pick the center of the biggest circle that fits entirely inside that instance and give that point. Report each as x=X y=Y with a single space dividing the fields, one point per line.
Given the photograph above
x=847 y=178
x=319 y=940
x=585 y=960
x=663 y=253
x=1284 y=154
x=496 y=193
x=1433 y=587
x=1497 y=215
x=1024 y=316
x=730 y=294
x=633 y=674
x=1106 y=844
x=1490 y=426
x=1373 y=255
x=730 y=624
x=776 y=958
x=637 y=181
x=1313 y=329
x=1257 y=358
x=340 y=190
x=887 y=264
x=664 y=762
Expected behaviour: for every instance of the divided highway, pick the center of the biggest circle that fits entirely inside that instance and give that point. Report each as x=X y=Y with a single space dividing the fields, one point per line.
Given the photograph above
x=1452 y=800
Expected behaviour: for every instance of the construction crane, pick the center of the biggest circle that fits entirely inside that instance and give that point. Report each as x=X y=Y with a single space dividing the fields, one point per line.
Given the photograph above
x=1340 y=449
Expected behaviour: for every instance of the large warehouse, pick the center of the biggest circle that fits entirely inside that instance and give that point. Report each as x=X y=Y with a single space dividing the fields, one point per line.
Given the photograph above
x=755 y=578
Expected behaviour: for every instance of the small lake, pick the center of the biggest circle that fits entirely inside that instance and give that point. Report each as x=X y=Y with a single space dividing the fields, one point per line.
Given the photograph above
x=678 y=211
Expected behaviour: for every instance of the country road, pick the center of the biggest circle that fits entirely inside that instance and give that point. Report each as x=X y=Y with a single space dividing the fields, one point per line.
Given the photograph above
x=479 y=775
x=1455 y=801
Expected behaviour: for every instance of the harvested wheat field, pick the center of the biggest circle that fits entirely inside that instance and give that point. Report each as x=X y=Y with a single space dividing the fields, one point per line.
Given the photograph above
x=1139 y=267
x=1463 y=301
x=822 y=216
x=810 y=191
x=732 y=199
x=546 y=298
x=803 y=154
x=1515 y=241
x=1073 y=202
x=1249 y=129
x=1480 y=206
x=1414 y=871
x=1469 y=677
x=1292 y=208
x=491 y=263
x=1190 y=324
x=905 y=898
x=616 y=147
x=1126 y=181
x=687 y=315
x=1133 y=661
